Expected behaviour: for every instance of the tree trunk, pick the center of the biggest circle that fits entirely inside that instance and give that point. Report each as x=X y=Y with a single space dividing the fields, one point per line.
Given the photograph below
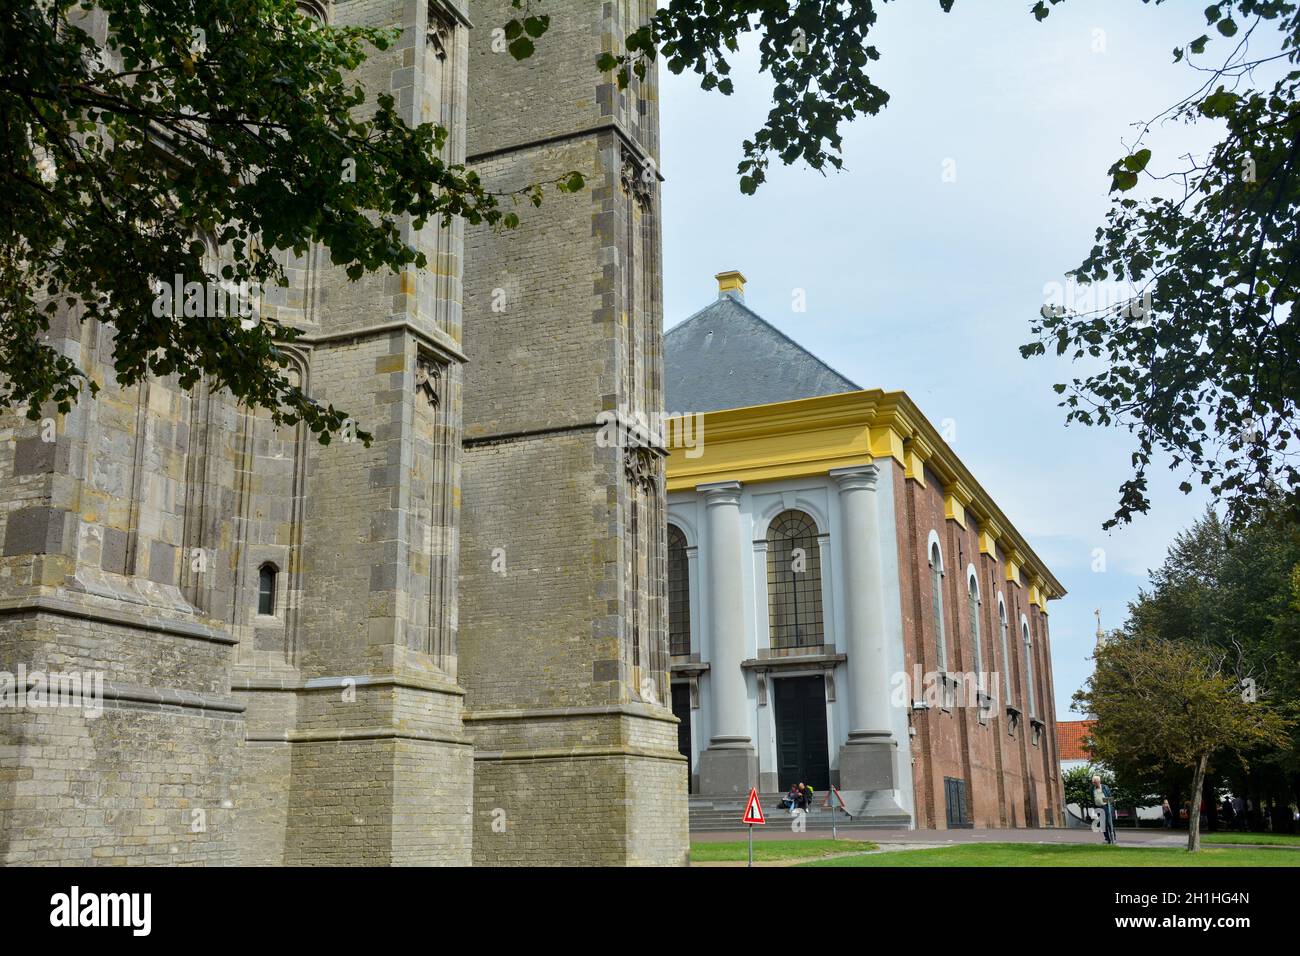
x=1194 y=810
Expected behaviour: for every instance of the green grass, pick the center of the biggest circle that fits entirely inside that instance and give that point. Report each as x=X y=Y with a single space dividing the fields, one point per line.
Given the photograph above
x=1255 y=839
x=1037 y=854
x=771 y=850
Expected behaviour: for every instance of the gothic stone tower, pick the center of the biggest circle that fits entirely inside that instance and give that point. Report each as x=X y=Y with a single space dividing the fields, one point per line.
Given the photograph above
x=563 y=647
x=276 y=620
x=322 y=723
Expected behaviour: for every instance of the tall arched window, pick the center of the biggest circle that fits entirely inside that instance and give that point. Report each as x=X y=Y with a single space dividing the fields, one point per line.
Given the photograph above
x=794 y=581
x=973 y=606
x=1029 y=668
x=266 y=576
x=936 y=598
x=679 y=593
x=1006 y=650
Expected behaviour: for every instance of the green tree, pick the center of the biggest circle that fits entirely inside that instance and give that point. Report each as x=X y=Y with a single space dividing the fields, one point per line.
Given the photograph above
x=1233 y=591
x=136 y=139
x=1171 y=705
x=1203 y=363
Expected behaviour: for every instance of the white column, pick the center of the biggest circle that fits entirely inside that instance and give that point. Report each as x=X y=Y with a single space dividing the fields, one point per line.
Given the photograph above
x=864 y=608
x=868 y=761
x=729 y=765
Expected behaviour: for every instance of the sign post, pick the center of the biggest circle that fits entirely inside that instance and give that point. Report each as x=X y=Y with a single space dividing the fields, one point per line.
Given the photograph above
x=753 y=814
x=833 y=798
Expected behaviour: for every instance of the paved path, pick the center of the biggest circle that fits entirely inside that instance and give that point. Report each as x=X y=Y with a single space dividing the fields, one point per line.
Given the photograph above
x=911 y=839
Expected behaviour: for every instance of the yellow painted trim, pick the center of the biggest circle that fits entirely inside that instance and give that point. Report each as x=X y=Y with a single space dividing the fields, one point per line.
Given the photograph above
x=956 y=498
x=953 y=509
x=914 y=466
x=1013 y=567
x=811 y=436
x=886 y=443
x=730 y=281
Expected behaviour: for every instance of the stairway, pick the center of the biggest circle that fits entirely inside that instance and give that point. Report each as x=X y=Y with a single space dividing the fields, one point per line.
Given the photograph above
x=724 y=813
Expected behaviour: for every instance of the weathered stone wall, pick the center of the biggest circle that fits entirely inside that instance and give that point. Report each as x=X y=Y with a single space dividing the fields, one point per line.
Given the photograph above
x=563 y=644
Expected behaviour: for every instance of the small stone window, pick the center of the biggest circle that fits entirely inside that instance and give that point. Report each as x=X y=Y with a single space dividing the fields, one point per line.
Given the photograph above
x=266 y=578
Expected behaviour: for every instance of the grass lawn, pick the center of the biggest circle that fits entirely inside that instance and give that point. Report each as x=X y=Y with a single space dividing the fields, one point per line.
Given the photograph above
x=767 y=850
x=1057 y=854
x=1257 y=839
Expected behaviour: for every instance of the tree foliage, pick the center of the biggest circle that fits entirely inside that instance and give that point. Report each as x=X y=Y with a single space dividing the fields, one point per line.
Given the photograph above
x=1203 y=362
x=138 y=140
x=1167 y=705
x=816 y=53
x=1235 y=592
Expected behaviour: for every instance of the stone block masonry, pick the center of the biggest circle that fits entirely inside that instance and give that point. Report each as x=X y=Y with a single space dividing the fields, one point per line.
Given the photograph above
x=296 y=670
x=563 y=648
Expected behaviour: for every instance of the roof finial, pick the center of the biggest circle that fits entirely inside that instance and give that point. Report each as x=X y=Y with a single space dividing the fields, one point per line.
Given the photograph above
x=731 y=284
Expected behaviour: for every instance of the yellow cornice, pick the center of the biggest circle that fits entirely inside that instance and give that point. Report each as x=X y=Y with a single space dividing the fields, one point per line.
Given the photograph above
x=990 y=533
x=1014 y=562
x=811 y=436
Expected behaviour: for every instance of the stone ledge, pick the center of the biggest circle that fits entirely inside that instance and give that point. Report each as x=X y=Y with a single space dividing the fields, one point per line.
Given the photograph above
x=103 y=615
x=613 y=710
x=580 y=753
x=252 y=684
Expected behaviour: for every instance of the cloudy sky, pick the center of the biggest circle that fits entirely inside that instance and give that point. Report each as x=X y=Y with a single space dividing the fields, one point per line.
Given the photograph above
x=928 y=286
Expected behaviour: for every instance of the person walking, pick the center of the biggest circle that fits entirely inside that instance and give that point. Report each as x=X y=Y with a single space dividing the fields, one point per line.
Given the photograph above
x=1168 y=812
x=1102 y=799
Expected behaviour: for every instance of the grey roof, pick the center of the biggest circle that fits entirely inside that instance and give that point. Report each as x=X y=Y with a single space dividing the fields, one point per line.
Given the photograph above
x=727 y=356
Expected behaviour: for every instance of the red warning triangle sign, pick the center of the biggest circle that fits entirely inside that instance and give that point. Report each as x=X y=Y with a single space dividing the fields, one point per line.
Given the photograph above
x=753 y=809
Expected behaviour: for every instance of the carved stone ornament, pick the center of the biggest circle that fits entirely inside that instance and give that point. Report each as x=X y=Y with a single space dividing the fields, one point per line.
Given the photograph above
x=642 y=468
x=638 y=179
x=428 y=379
x=438 y=33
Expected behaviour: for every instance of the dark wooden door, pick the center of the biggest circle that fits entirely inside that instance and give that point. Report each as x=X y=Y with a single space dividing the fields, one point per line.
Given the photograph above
x=954 y=791
x=682 y=711
x=801 y=752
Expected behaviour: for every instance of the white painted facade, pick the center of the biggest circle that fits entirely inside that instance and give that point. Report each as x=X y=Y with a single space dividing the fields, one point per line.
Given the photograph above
x=822 y=498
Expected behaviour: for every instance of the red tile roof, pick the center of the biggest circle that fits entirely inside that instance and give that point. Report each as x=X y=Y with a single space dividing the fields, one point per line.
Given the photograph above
x=1069 y=739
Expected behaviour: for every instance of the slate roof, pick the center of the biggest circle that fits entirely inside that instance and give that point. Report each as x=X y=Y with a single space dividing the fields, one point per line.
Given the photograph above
x=727 y=356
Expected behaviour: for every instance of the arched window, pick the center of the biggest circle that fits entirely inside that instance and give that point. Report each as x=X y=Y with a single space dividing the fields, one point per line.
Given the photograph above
x=973 y=605
x=679 y=593
x=1029 y=668
x=266 y=588
x=794 y=581
x=936 y=598
x=1006 y=650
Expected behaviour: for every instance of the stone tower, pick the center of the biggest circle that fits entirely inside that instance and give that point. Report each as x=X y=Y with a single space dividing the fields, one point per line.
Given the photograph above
x=563 y=648
x=285 y=678
x=275 y=620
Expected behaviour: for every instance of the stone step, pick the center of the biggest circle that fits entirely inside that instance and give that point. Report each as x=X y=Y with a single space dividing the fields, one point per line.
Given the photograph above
x=724 y=813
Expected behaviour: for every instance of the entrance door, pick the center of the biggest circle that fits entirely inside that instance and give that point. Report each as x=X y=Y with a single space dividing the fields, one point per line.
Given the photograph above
x=682 y=711
x=801 y=752
x=954 y=793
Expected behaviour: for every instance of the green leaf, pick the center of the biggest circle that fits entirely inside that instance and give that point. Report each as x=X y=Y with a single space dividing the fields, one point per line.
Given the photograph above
x=1137 y=162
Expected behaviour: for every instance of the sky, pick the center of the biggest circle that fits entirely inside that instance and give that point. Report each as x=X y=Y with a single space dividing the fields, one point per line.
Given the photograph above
x=929 y=286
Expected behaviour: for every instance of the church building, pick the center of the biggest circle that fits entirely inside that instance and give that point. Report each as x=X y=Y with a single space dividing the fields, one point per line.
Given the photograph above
x=848 y=606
